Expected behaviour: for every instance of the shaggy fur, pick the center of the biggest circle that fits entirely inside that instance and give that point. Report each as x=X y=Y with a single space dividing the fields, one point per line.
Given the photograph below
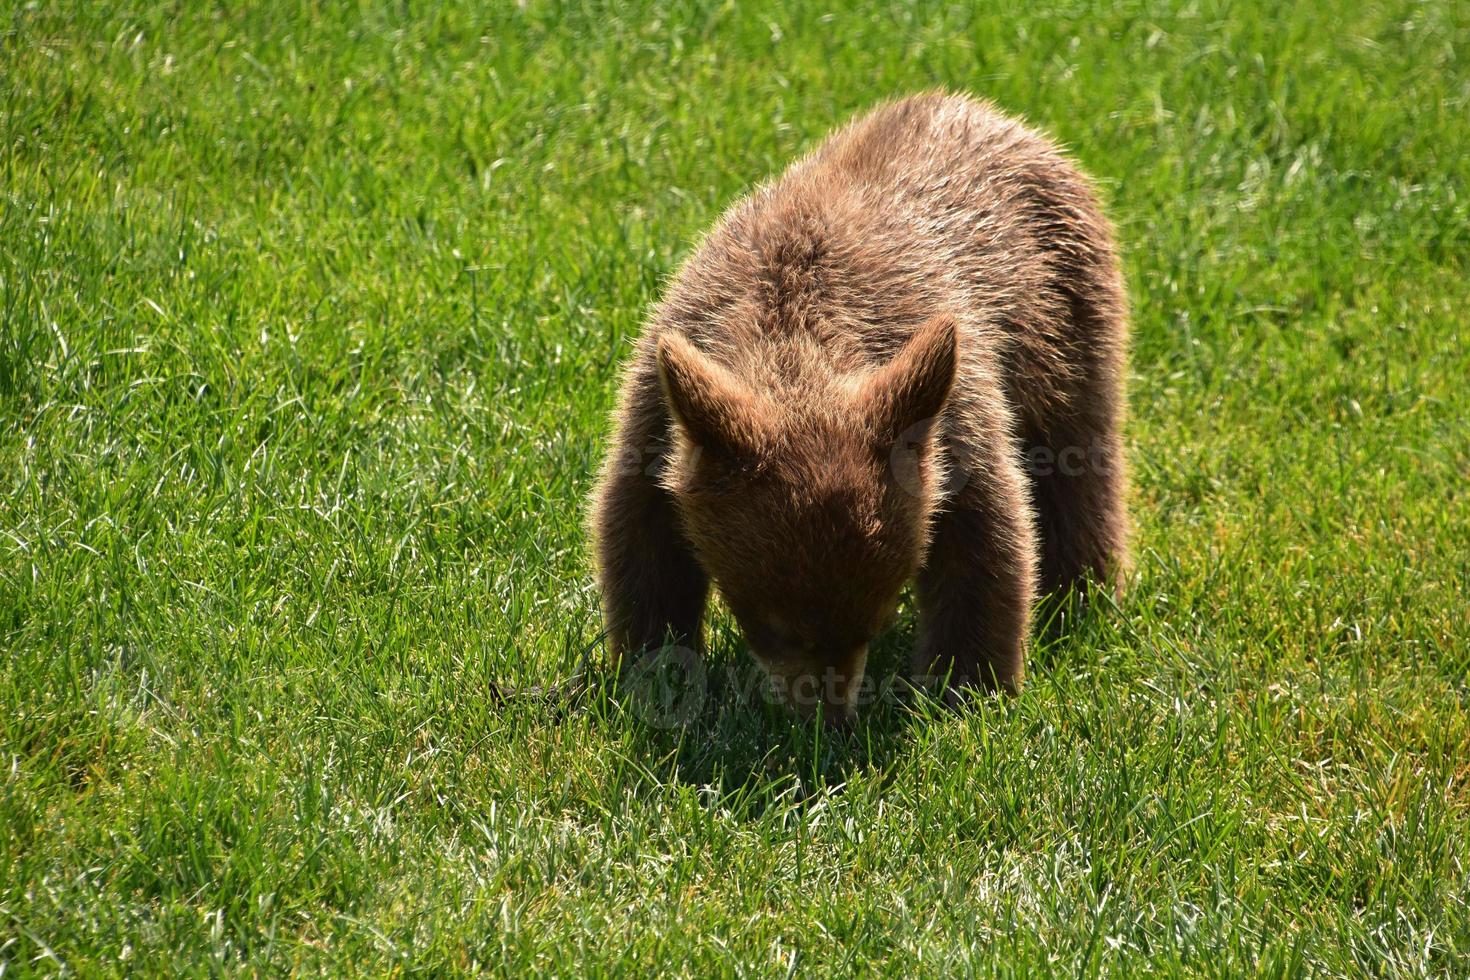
x=903 y=360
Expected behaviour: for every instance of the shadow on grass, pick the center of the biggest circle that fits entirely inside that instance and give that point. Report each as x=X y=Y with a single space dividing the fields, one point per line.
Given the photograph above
x=1065 y=625
x=752 y=751
x=714 y=723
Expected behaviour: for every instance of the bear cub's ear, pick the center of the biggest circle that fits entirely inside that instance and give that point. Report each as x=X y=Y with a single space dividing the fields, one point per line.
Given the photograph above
x=913 y=386
x=713 y=407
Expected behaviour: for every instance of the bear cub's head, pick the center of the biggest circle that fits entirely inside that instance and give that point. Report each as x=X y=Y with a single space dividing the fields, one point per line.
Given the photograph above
x=808 y=498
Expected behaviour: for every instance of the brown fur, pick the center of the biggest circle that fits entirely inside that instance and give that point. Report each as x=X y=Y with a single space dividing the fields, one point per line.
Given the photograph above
x=902 y=360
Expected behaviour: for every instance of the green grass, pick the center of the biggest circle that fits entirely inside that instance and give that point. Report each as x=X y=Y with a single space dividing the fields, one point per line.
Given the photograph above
x=309 y=324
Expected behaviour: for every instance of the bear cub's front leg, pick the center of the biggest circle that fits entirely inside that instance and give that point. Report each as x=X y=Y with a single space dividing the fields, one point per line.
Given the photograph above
x=654 y=590
x=975 y=594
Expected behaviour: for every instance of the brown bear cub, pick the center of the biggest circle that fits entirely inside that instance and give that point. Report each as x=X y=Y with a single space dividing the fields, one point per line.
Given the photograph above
x=902 y=360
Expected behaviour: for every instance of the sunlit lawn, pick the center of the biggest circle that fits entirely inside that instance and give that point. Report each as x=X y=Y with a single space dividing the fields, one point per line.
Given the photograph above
x=310 y=320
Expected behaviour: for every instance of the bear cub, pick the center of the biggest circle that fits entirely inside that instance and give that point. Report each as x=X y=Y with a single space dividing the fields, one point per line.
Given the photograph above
x=903 y=360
